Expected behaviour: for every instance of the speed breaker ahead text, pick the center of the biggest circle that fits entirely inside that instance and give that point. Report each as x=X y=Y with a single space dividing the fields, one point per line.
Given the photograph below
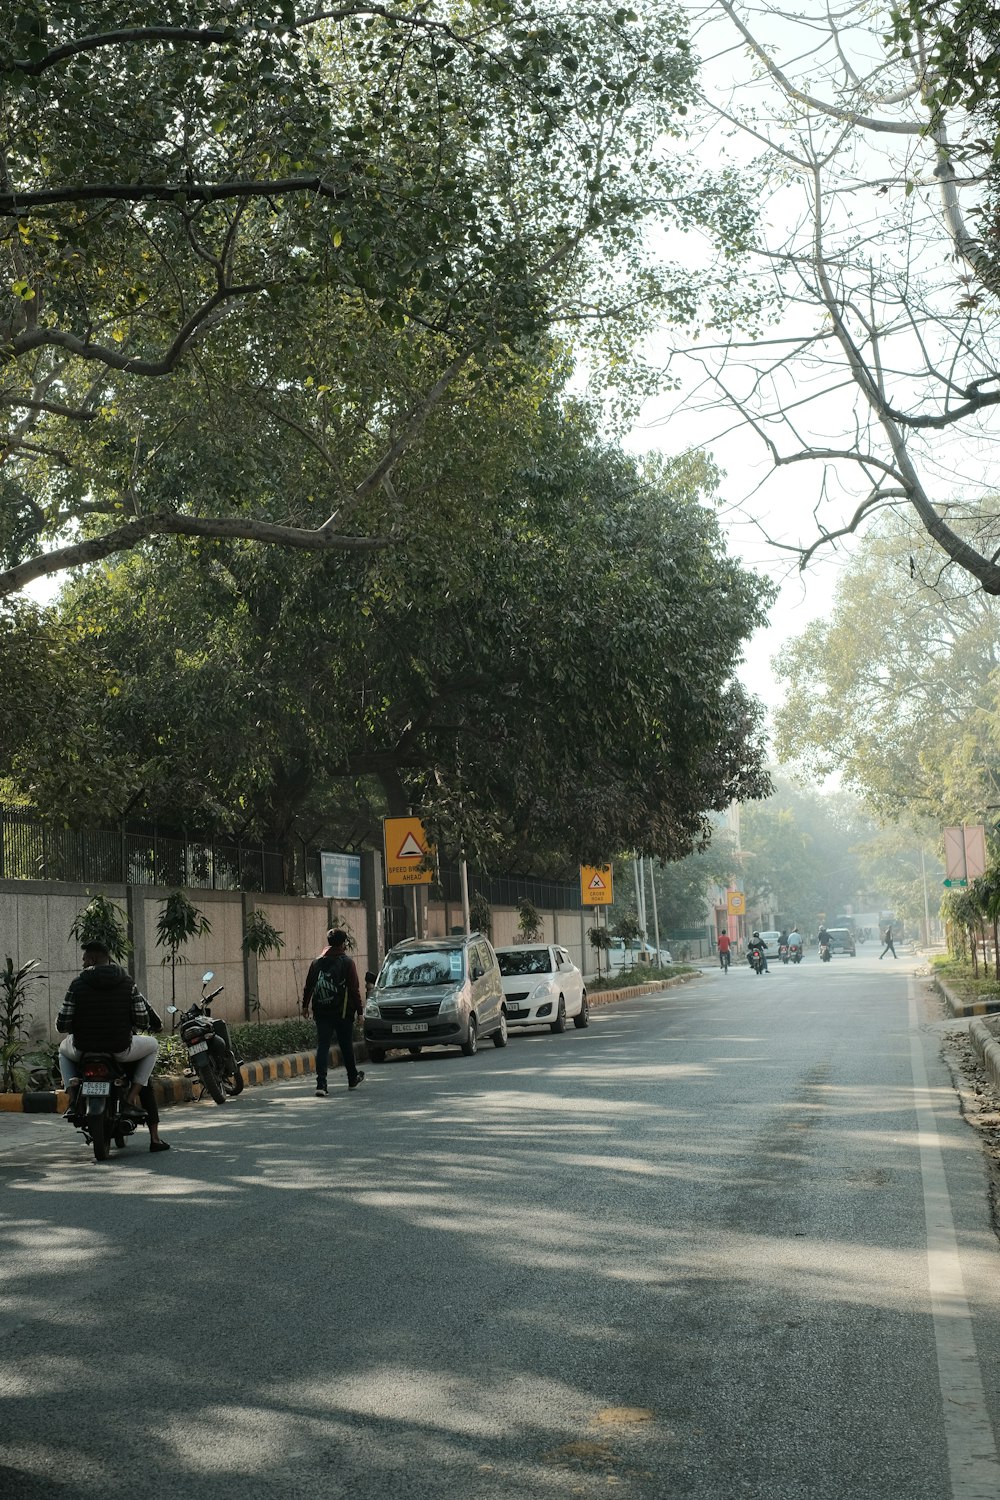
x=409 y=858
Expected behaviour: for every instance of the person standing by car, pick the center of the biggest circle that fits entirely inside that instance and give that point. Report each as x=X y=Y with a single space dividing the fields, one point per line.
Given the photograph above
x=889 y=945
x=333 y=991
x=723 y=950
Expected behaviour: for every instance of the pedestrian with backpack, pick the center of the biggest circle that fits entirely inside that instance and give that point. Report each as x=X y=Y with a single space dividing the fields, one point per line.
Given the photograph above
x=333 y=991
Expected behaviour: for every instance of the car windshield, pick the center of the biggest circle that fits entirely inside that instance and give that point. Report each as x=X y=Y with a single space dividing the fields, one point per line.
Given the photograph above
x=403 y=971
x=526 y=961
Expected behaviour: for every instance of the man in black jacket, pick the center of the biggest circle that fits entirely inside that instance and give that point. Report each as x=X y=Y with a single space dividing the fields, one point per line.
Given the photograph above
x=333 y=991
x=101 y=1011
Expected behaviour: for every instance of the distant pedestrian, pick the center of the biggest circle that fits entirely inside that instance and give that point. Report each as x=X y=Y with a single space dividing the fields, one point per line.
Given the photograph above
x=333 y=991
x=724 y=946
x=887 y=940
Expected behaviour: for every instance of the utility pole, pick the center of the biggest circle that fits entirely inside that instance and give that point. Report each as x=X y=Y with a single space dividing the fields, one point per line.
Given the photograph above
x=656 y=917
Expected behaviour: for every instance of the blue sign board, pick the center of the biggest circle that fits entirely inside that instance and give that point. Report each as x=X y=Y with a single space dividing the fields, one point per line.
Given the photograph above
x=341 y=875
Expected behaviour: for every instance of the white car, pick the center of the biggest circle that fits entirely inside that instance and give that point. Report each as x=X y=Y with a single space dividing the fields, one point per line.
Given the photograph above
x=622 y=954
x=542 y=986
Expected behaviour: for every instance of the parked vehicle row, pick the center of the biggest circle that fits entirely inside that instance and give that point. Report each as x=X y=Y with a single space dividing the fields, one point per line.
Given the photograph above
x=458 y=991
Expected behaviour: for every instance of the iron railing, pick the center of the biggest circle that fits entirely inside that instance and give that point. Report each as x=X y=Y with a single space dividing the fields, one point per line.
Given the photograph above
x=32 y=850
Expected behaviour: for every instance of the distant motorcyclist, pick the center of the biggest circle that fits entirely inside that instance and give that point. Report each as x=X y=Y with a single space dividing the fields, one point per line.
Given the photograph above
x=822 y=936
x=795 y=938
x=758 y=942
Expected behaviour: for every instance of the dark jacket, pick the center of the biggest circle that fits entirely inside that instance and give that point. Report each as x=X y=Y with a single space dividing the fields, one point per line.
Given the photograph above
x=101 y=1009
x=336 y=960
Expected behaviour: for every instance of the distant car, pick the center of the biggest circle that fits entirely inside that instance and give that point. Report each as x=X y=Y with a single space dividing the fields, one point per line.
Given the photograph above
x=771 y=939
x=542 y=987
x=622 y=954
x=842 y=941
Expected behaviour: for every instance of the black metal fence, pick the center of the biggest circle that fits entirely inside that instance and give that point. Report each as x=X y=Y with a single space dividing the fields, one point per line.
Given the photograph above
x=508 y=890
x=32 y=850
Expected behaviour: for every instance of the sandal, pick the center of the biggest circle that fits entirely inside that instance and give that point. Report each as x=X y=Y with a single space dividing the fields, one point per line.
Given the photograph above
x=159 y=1145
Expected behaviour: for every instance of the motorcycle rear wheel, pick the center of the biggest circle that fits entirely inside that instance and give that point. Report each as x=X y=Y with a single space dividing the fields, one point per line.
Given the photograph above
x=210 y=1080
x=99 y=1138
x=233 y=1082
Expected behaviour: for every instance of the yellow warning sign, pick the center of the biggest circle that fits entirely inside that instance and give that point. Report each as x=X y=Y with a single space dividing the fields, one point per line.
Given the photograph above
x=596 y=885
x=736 y=903
x=409 y=858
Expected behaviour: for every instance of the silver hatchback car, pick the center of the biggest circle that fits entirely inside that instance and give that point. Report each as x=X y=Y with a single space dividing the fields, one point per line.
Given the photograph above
x=436 y=992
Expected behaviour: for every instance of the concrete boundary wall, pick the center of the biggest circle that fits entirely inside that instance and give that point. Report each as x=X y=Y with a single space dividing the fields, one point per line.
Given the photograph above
x=35 y=918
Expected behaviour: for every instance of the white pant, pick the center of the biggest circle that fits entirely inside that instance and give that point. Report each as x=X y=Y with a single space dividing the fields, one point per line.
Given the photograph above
x=140 y=1055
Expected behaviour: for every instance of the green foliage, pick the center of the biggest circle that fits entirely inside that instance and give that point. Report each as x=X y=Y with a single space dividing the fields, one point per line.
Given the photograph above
x=529 y=922
x=260 y=937
x=345 y=217
x=599 y=939
x=251 y=1041
x=15 y=989
x=641 y=974
x=897 y=688
x=627 y=927
x=599 y=568
x=178 y=922
x=481 y=914
x=102 y=921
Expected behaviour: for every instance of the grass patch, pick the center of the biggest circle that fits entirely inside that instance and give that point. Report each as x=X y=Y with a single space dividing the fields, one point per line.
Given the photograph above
x=958 y=976
x=641 y=974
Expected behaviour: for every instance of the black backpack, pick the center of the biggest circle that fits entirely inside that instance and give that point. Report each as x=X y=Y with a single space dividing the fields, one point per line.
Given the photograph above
x=329 y=996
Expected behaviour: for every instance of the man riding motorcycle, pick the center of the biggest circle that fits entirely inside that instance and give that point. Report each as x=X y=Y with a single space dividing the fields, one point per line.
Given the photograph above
x=758 y=942
x=101 y=1010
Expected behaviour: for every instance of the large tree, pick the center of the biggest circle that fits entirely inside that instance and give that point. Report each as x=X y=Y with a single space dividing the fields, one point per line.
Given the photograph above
x=537 y=664
x=221 y=188
x=878 y=385
x=897 y=689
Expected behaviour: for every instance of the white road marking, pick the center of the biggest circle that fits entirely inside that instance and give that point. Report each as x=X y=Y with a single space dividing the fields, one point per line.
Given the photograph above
x=972 y=1451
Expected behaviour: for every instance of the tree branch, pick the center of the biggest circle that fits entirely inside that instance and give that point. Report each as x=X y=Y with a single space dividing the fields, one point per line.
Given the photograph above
x=129 y=535
x=14 y=203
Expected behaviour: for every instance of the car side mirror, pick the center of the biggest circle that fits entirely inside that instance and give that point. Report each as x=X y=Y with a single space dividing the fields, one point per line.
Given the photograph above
x=477 y=972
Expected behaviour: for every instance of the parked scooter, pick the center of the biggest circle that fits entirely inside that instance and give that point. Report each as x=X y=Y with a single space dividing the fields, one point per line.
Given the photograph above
x=100 y=1111
x=210 y=1051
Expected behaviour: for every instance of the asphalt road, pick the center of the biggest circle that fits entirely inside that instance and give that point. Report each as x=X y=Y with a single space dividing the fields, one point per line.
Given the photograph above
x=733 y=1241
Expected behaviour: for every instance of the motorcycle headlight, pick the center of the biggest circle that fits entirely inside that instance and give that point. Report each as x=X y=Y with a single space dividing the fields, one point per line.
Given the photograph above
x=371 y=1009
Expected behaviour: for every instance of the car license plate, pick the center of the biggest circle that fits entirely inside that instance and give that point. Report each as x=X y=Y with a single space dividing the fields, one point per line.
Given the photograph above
x=93 y=1087
x=198 y=1047
x=411 y=1026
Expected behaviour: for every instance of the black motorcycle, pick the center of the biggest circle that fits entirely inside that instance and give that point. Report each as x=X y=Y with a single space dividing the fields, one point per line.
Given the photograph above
x=755 y=958
x=100 y=1110
x=795 y=952
x=210 y=1051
